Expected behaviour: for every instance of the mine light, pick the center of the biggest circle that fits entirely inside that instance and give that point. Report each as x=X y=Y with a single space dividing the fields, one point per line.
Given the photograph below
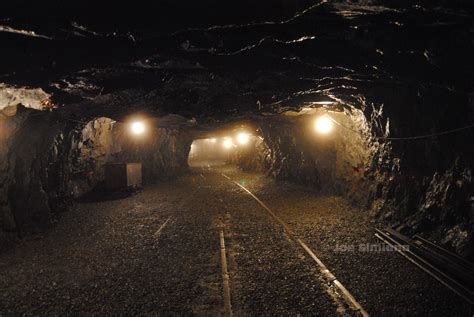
x=228 y=143
x=243 y=138
x=137 y=127
x=323 y=124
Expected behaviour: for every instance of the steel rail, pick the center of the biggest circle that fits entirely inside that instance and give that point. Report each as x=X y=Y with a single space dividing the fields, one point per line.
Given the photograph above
x=427 y=267
x=225 y=276
x=434 y=257
x=158 y=232
x=331 y=278
x=460 y=260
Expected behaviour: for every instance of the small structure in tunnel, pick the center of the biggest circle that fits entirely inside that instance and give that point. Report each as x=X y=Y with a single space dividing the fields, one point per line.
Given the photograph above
x=123 y=175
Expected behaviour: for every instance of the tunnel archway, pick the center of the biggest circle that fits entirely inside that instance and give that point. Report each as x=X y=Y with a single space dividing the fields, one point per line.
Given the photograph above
x=290 y=147
x=51 y=163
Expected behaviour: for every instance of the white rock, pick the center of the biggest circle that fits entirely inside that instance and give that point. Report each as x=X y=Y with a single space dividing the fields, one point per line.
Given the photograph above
x=11 y=96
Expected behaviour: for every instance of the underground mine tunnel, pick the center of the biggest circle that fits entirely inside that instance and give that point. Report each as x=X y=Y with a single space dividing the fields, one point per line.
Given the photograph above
x=237 y=158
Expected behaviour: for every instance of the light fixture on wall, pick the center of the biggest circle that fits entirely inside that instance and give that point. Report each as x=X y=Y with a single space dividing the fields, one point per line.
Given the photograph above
x=228 y=143
x=243 y=138
x=137 y=127
x=323 y=124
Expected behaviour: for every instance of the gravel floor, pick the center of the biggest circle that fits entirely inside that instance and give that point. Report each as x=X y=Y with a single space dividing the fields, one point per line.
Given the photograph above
x=383 y=282
x=107 y=258
x=270 y=275
x=157 y=253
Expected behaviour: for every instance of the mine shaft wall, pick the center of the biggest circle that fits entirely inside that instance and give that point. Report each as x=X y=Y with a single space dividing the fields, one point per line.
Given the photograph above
x=290 y=149
x=420 y=186
x=424 y=186
x=163 y=152
x=46 y=162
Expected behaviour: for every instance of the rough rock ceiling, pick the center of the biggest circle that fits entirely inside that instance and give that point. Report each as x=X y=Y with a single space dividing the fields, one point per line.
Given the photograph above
x=331 y=50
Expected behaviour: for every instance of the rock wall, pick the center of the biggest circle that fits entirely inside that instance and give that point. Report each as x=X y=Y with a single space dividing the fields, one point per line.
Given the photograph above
x=422 y=186
x=163 y=151
x=254 y=156
x=92 y=146
x=47 y=161
x=7 y=219
x=292 y=150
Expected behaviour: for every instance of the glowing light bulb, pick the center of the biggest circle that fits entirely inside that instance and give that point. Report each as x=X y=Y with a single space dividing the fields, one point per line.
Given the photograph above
x=228 y=143
x=323 y=125
x=243 y=138
x=138 y=127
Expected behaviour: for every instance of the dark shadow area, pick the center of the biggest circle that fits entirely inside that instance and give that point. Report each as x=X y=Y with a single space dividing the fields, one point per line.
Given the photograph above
x=101 y=194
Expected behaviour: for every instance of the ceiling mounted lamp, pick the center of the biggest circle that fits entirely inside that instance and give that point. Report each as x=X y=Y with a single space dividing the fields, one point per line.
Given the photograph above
x=323 y=124
x=137 y=127
x=324 y=103
x=228 y=143
x=243 y=138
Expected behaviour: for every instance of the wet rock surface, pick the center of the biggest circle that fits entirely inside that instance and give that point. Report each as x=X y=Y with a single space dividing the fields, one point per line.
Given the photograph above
x=434 y=205
x=287 y=56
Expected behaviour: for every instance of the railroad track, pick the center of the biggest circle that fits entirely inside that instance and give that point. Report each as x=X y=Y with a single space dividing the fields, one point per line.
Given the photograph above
x=449 y=269
x=336 y=289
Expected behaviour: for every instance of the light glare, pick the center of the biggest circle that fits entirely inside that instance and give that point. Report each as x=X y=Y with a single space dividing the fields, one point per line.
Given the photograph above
x=138 y=127
x=323 y=125
x=243 y=138
x=228 y=143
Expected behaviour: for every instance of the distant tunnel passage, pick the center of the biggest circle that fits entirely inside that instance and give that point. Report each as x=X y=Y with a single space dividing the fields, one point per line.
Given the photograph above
x=210 y=152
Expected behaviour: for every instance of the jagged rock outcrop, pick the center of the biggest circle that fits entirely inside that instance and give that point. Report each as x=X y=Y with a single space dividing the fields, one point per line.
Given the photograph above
x=439 y=206
x=11 y=97
x=255 y=156
x=291 y=149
